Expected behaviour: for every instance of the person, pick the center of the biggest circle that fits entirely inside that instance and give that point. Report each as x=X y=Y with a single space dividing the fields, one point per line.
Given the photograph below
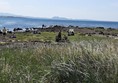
x=4 y=31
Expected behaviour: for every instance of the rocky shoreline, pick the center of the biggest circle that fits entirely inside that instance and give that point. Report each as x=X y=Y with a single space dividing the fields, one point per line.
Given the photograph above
x=83 y=31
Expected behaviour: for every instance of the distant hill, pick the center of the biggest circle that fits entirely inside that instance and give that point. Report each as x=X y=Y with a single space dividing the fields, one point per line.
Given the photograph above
x=7 y=14
x=14 y=21
x=53 y=18
x=60 y=18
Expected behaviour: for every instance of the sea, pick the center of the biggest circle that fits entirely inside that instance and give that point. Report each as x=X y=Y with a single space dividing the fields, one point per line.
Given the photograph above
x=11 y=22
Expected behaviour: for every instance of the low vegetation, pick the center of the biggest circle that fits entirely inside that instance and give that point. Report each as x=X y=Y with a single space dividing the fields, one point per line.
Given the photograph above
x=88 y=60
x=37 y=58
x=45 y=37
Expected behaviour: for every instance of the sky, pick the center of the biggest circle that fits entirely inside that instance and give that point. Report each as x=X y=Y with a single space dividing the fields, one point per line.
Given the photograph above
x=106 y=10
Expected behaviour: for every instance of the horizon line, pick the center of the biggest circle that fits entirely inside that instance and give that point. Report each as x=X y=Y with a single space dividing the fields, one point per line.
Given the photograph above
x=53 y=18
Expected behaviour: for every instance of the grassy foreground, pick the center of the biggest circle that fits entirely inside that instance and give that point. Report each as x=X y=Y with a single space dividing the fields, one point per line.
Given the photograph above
x=86 y=61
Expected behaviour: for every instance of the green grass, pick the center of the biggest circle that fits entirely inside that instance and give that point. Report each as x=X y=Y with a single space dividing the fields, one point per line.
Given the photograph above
x=85 y=61
x=44 y=36
x=50 y=36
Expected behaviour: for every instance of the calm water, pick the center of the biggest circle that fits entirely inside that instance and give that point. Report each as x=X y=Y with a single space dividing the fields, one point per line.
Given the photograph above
x=13 y=22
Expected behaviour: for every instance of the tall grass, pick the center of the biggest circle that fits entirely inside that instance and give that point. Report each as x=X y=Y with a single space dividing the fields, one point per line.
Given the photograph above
x=82 y=62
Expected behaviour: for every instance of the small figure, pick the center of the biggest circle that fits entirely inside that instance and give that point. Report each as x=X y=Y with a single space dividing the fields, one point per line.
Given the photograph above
x=4 y=31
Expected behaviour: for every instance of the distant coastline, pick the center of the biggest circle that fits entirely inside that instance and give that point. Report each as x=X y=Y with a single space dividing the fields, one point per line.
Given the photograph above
x=24 y=22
